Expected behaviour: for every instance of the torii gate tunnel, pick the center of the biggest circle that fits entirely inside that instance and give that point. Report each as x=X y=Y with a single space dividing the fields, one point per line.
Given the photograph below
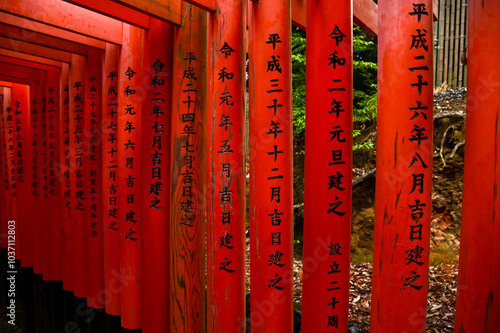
x=127 y=149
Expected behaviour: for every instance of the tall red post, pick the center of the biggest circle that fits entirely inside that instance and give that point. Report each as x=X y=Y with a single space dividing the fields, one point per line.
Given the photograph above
x=156 y=149
x=328 y=165
x=478 y=308
x=93 y=138
x=271 y=189
x=130 y=96
x=187 y=284
x=404 y=167
x=21 y=133
x=226 y=176
x=111 y=225
x=52 y=102
x=66 y=188
x=4 y=180
x=77 y=169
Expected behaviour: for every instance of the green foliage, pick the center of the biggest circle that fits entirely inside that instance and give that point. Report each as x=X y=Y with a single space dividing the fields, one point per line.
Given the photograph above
x=364 y=85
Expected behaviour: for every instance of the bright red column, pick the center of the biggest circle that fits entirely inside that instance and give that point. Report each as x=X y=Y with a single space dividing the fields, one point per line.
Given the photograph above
x=328 y=167
x=271 y=189
x=52 y=133
x=157 y=108
x=478 y=307
x=4 y=181
x=111 y=225
x=93 y=209
x=188 y=173
x=77 y=170
x=130 y=95
x=7 y=115
x=21 y=133
x=226 y=210
x=66 y=188
x=404 y=167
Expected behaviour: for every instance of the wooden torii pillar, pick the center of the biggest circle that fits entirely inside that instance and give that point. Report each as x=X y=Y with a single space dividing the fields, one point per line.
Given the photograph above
x=478 y=307
x=404 y=164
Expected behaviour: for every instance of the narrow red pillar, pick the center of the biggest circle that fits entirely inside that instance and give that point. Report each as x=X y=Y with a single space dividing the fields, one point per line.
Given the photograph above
x=271 y=189
x=188 y=173
x=404 y=167
x=226 y=176
x=52 y=133
x=21 y=133
x=93 y=209
x=328 y=165
x=478 y=306
x=4 y=180
x=77 y=170
x=130 y=95
x=66 y=188
x=111 y=225
x=156 y=149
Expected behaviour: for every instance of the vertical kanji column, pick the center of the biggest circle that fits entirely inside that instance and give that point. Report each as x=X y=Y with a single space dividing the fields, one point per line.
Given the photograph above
x=156 y=150
x=65 y=163
x=271 y=190
x=478 y=307
x=77 y=170
x=328 y=165
x=93 y=138
x=404 y=164
x=130 y=94
x=21 y=134
x=111 y=225
x=188 y=172
x=52 y=102
x=226 y=169
x=4 y=180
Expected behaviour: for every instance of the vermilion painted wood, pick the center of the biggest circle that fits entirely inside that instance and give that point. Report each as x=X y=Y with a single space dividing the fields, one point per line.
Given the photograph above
x=328 y=165
x=188 y=173
x=404 y=165
x=50 y=30
x=34 y=59
x=208 y=5
x=130 y=95
x=68 y=17
x=226 y=174
x=166 y=10
x=35 y=50
x=36 y=91
x=115 y=10
x=16 y=34
x=66 y=188
x=270 y=149
x=52 y=133
x=78 y=175
x=21 y=134
x=156 y=149
x=5 y=181
x=93 y=207
x=24 y=63
x=22 y=72
x=478 y=308
x=111 y=223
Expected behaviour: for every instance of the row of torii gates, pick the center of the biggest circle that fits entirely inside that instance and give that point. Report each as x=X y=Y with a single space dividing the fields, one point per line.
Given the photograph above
x=123 y=162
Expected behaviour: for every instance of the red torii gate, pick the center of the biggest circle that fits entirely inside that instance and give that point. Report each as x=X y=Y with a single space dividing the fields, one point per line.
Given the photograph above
x=41 y=32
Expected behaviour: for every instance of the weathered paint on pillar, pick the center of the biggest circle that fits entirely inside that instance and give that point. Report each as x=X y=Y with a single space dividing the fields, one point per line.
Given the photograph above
x=478 y=306
x=36 y=93
x=78 y=177
x=328 y=167
x=111 y=225
x=9 y=152
x=130 y=95
x=188 y=172
x=66 y=188
x=226 y=176
x=271 y=190
x=156 y=150
x=93 y=138
x=56 y=242
x=21 y=132
x=404 y=167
